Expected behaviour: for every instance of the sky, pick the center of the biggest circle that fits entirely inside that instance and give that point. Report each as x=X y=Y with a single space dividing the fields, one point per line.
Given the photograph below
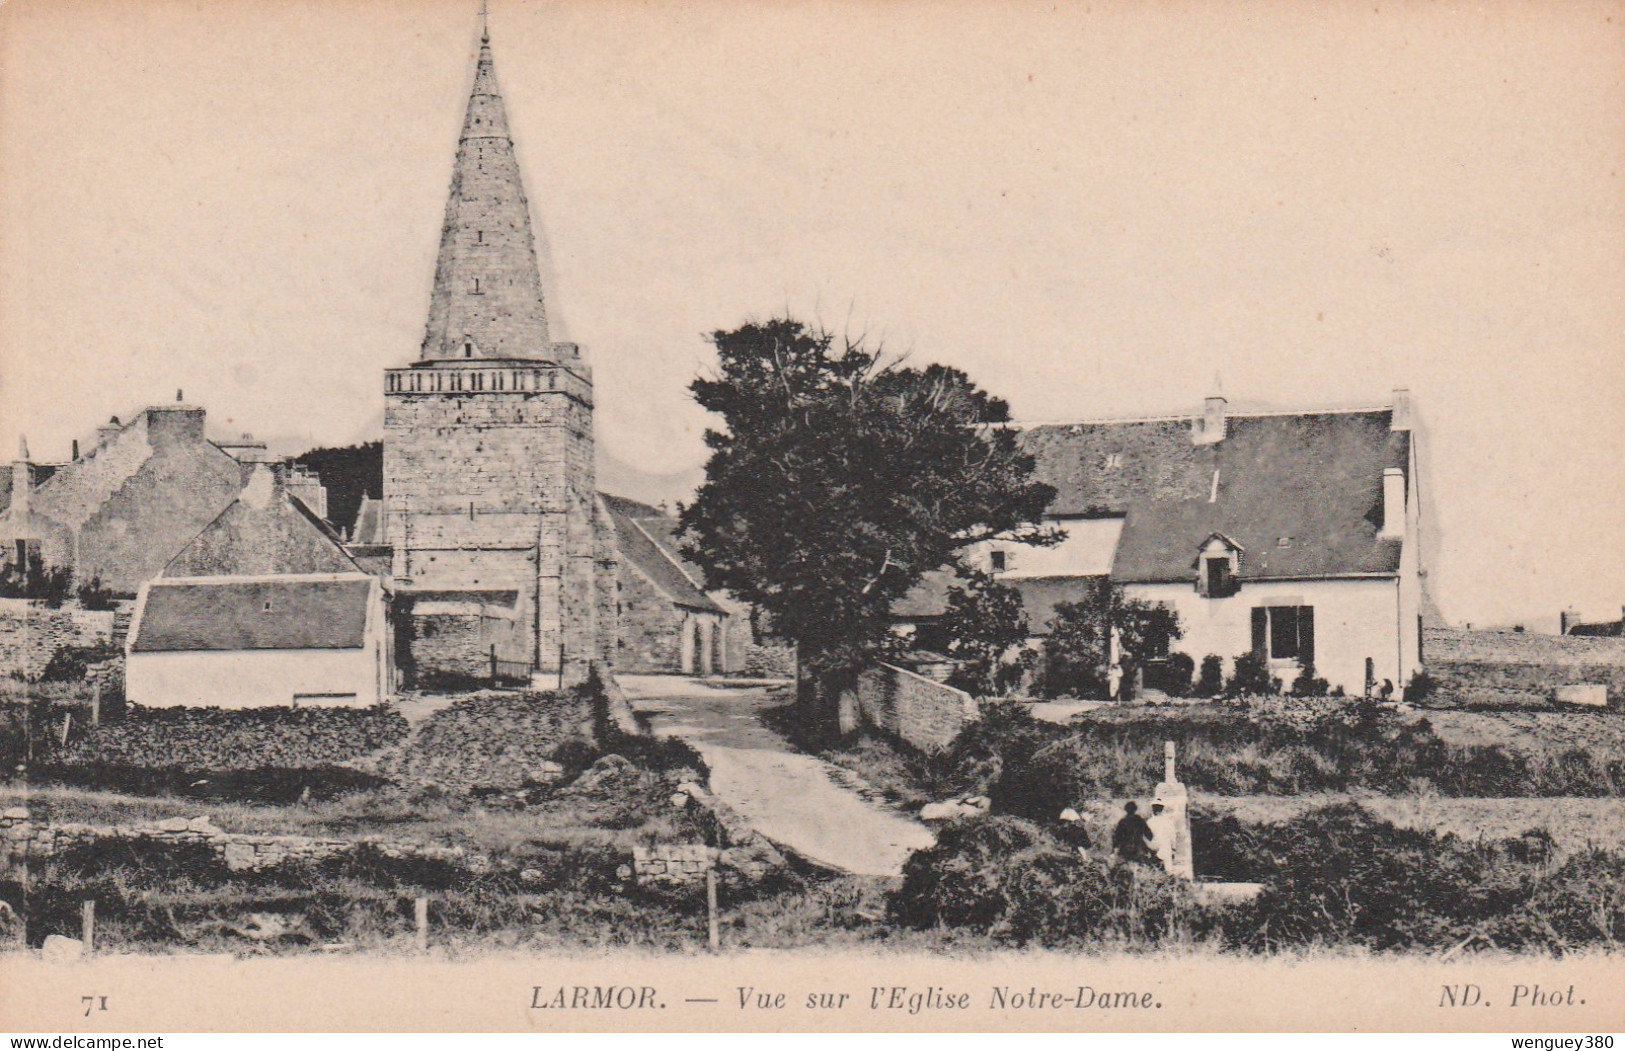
x=1095 y=209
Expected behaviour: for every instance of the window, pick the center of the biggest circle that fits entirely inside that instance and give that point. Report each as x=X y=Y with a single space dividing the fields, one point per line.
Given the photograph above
x=998 y=561
x=1220 y=575
x=1285 y=633
x=1157 y=646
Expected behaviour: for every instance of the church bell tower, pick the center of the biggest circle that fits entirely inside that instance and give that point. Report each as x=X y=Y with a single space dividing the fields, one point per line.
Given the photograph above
x=489 y=490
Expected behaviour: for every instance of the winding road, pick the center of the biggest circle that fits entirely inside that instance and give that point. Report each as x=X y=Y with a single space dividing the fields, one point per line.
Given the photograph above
x=788 y=796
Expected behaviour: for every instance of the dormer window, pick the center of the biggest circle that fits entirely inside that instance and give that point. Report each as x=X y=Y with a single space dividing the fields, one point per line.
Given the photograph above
x=1221 y=577
x=997 y=560
x=1218 y=567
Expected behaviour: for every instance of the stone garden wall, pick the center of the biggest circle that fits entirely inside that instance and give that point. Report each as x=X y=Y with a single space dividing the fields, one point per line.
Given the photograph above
x=31 y=633
x=1486 y=666
x=926 y=714
x=28 y=842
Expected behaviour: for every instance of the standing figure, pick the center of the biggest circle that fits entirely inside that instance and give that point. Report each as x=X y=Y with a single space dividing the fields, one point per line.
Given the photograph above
x=1131 y=839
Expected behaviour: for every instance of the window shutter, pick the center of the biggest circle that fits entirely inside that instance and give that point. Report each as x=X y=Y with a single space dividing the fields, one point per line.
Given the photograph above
x=1306 y=635
x=1261 y=631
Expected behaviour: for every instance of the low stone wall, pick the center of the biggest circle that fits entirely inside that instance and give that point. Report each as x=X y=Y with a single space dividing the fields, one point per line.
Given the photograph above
x=672 y=863
x=1520 y=667
x=26 y=842
x=620 y=709
x=31 y=633
x=924 y=713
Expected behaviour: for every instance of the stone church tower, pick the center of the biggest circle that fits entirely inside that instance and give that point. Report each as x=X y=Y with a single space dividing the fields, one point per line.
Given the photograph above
x=489 y=495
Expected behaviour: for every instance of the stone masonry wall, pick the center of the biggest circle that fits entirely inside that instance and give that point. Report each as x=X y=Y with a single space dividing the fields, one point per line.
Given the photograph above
x=650 y=626
x=450 y=642
x=926 y=714
x=26 y=842
x=478 y=483
x=1520 y=665
x=30 y=634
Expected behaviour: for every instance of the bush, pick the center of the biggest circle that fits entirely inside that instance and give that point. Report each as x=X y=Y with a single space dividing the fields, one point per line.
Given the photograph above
x=1008 y=878
x=93 y=596
x=1339 y=877
x=1211 y=681
x=1250 y=675
x=72 y=663
x=1176 y=674
x=1308 y=684
x=1420 y=688
x=1075 y=652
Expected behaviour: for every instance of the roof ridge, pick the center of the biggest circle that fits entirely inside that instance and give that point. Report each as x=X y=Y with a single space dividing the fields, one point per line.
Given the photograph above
x=1187 y=416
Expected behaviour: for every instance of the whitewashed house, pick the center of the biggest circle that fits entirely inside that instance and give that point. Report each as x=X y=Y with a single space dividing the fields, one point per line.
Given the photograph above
x=259 y=641
x=1295 y=535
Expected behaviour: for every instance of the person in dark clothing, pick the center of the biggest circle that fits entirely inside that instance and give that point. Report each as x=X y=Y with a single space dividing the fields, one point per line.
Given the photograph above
x=1131 y=839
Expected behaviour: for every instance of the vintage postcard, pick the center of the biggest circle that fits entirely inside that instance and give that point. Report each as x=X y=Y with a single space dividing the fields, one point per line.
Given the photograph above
x=812 y=516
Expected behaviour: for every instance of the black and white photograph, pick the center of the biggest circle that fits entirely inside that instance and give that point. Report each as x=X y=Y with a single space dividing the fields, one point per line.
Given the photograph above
x=821 y=515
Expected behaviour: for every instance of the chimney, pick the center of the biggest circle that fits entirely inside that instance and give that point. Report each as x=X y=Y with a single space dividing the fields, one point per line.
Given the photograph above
x=106 y=431
x=1210 y=429
x=76 y=450
x=1393 y=502
x=1402 y=410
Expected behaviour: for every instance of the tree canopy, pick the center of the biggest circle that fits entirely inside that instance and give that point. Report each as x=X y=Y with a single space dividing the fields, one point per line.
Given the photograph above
x=838 y=477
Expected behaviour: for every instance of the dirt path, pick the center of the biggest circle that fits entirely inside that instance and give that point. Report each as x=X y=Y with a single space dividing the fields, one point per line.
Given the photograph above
x=787 y=796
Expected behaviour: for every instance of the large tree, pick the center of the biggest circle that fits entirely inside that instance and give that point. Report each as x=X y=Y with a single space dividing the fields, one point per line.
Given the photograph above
x=838 y=477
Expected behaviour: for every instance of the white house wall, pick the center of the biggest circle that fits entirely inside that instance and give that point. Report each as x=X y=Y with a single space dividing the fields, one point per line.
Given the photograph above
x=1087 y=550
x=1354 y=619
x=255 y=678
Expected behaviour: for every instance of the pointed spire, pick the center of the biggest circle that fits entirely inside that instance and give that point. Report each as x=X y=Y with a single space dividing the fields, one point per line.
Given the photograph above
x=487 y=299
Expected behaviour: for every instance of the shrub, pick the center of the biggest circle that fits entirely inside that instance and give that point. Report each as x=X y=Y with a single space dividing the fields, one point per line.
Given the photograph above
x=1210 y=683
x=1075 y=651
x=1583 y=903
x=1008 y=878
x=1307 y=684
x=93 y=596
x=1250 y=675
x=1176 y=674
x=985 y=621
x=72 y=663
x=1420 y=688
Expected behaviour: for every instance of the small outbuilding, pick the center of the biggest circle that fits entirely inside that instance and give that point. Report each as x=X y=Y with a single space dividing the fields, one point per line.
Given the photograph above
x=254 y=642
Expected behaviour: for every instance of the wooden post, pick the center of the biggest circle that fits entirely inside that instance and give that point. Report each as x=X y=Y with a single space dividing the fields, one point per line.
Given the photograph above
x=87 y=925
x=713 y=935
x=420 y=912
x=67 y=721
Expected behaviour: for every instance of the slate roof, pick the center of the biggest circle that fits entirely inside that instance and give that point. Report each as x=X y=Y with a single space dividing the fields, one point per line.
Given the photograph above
x=1313 y=478
x=648 y=541
x=369 y=523
x=246 y=613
